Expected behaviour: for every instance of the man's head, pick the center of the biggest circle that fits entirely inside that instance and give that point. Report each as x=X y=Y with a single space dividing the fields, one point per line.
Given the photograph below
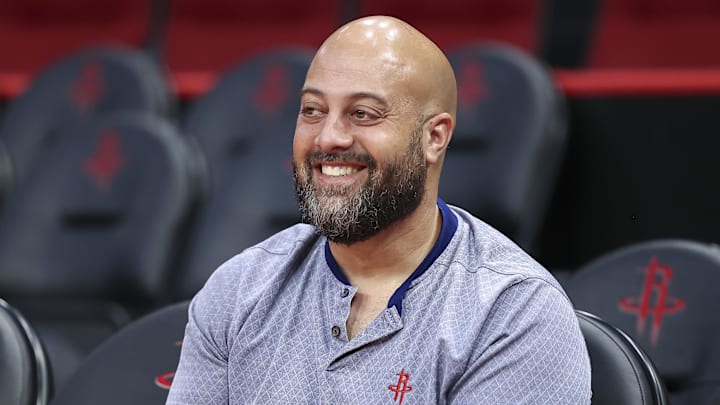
x=377 y=112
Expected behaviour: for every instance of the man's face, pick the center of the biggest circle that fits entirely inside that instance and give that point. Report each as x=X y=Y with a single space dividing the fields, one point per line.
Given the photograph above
x=348 y=212
x=358 y=156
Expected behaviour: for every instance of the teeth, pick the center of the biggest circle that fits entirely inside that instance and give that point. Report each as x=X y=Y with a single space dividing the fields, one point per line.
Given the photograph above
x=338 y=170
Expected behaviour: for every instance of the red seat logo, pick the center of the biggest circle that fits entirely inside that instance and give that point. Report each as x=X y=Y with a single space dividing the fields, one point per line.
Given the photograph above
x=654 y=300
x=106 y=161
x=88 y=89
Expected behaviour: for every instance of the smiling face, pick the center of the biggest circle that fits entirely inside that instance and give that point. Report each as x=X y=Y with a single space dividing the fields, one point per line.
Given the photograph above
x=350 y=197
x=360 y=158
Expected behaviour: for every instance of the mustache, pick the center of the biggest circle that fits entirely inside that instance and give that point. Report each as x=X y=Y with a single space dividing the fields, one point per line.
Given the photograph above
x=344 y=157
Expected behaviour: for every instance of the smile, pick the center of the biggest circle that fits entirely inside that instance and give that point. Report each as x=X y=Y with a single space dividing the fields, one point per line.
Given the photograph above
x=338 y=171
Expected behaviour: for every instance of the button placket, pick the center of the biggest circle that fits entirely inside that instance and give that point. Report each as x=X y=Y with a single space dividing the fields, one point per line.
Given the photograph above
x=337 y=325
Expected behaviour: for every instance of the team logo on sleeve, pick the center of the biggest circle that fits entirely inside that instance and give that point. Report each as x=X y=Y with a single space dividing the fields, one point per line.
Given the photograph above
x=402 y=387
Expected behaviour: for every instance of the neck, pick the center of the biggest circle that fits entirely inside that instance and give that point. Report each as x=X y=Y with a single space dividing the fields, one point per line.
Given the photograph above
x=383 y=262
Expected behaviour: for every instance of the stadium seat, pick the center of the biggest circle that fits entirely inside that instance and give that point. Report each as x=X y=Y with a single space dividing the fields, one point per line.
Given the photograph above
x=134 y=366
x=25 y=377
x=36 y=33
x=655 y=34
x=463 y=22
x=88 y=240
x=78 y=87
x=509 y=142
x=662 y=294
x=244 y=128
x=212 y=36
x=622 y=374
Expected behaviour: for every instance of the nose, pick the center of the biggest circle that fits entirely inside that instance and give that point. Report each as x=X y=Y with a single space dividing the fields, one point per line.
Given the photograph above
x=335 y=135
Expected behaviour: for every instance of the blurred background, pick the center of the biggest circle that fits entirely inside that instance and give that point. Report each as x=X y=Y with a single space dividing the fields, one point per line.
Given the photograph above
x=144 y=142
x=640 y=77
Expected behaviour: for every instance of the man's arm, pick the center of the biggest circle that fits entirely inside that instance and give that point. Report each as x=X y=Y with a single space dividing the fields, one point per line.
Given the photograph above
x=201 y=377
x=535 y=353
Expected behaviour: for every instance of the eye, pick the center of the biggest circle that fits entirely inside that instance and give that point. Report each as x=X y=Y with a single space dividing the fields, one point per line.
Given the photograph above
x=364 y=116
x=311 y=113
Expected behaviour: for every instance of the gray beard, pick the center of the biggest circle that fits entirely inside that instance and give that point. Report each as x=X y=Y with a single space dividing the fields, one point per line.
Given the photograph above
x=345 y=216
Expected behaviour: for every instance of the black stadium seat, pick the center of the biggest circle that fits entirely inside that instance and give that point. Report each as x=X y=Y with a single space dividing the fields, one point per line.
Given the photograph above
x=244 y=127
x=622 y=374
x=80 y=86
x=88 y=240
x=25 y=377
x=505 y=154
x=135 y=366
x=663 y=294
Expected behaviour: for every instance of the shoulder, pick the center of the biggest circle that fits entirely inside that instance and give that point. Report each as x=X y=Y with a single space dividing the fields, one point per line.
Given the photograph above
x=480 y=249
x=485 y=272
x=264 y=261
x=242 y=279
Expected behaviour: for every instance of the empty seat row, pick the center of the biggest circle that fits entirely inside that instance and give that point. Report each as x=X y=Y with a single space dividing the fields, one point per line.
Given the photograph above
x=191 y=36
x=653 y=344
x=137 y=364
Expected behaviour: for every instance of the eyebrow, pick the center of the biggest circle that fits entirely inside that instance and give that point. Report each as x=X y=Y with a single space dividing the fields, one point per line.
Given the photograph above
x=355 y=96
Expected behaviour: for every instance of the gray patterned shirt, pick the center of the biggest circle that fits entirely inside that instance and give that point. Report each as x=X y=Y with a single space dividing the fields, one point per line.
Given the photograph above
x=479 y=322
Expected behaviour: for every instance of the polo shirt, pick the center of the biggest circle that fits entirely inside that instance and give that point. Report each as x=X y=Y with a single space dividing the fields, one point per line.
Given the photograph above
x=478 y=322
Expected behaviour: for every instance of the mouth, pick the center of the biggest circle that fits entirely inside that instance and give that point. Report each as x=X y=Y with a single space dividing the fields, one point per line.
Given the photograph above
x=338 y=170
x=337 y=173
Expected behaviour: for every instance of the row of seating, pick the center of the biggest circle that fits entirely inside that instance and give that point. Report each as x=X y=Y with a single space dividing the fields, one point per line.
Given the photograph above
x=191 y=36
x=118 y=206
x=647 y=311
x=137 y=364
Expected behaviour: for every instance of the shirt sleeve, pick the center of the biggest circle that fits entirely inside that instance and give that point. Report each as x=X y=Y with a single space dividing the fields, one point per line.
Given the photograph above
x=533 y=353
x=201 y=377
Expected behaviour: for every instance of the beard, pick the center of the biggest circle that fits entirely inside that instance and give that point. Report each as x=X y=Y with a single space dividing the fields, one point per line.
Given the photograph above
x=392 y=192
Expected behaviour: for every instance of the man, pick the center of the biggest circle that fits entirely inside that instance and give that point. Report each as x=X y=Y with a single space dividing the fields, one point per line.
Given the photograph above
x=389 y=296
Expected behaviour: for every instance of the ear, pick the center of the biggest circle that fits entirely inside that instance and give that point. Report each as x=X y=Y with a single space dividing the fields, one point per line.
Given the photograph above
x=439 y=130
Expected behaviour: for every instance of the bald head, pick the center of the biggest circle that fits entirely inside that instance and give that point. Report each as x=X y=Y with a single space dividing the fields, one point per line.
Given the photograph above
x=399 y=55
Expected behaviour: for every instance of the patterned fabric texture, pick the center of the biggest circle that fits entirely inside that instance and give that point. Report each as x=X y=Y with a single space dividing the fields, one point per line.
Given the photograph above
x=485 y=324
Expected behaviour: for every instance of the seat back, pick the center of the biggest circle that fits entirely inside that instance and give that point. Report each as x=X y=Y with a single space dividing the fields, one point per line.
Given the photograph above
x=80 y=86
x=509 y=142
x=88 y=240
x=662 y=294
x=622 y=374
x=102 y=216
x=135 y=366
x=244 y=128
x=25 y=377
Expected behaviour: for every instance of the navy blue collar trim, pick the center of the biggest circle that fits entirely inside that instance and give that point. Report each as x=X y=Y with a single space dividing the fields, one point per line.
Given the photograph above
x=449 y=226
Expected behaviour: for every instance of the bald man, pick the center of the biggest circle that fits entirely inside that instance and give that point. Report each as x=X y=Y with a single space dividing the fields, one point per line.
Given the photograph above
x=386 y=295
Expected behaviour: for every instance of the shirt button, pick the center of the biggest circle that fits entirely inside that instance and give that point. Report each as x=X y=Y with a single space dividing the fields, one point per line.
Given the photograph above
x=345 y=292
x=335 y=330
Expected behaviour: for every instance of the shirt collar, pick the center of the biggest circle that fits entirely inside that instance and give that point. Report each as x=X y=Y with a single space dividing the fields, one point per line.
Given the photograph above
x=449 y=226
